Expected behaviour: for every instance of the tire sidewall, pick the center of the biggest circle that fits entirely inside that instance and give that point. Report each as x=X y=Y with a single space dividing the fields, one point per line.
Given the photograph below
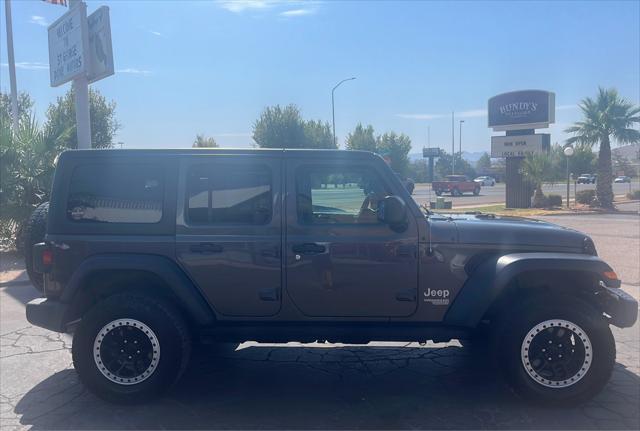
x=603 y=353
x=171 y=358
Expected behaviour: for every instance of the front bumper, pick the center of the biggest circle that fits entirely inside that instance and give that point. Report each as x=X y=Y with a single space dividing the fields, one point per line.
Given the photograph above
x=621 y=306
x=48 y=314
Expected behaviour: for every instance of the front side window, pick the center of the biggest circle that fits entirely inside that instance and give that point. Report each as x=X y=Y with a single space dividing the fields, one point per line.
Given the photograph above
x=230 y=194
x=335 y=195
x=116 y=193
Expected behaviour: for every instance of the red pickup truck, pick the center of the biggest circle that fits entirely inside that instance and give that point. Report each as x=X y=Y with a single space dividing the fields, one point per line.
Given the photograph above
x=456 y=185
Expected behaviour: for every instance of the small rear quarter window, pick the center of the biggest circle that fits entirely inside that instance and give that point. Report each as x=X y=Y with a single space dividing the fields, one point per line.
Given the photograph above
x=116 y=193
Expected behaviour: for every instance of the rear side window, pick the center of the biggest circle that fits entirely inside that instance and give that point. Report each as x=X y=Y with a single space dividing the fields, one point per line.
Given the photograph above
x=230 y=194
x=116 y=193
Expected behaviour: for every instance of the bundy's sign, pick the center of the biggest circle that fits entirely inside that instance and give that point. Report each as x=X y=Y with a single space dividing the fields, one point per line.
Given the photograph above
x=67 y=58
x=519 y=146
x=100 y=50
x=528 y=109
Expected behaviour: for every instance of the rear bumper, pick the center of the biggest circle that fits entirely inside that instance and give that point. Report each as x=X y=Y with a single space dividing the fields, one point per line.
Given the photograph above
x=621 y=306
x=48 y=314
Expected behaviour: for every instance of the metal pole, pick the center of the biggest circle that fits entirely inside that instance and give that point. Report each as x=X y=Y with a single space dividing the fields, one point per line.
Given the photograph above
x=12 y=66
x=453 y=146
x=568 y=182
x=460 y=140
x=81 y=87
x=333 y=109
x=428 y=136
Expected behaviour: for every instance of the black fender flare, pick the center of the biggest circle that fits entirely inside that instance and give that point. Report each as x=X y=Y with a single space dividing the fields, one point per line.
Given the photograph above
x=190 y=297
x=491 y=277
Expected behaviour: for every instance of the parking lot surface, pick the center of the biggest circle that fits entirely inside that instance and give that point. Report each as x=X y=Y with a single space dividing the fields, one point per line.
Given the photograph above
x=315 y=386
x=496 y=194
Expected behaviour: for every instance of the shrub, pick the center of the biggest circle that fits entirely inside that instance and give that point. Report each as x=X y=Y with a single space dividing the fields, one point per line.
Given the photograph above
x=634 y=195
x=585 y=196
x=554 y=200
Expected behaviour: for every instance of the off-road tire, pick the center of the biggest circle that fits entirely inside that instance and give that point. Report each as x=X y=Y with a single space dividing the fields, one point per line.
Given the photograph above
x=509 y=339
x=438 y=193
x=476 y=191
x=165 y=322
x=33 y=232
x=456 y=192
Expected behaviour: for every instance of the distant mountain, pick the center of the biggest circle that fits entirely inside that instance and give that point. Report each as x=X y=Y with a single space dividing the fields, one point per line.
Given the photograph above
x=630 y=152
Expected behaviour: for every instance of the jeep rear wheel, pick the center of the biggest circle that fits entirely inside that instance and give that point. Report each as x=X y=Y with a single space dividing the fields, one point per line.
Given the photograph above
x=557 y=351
x=130 y=348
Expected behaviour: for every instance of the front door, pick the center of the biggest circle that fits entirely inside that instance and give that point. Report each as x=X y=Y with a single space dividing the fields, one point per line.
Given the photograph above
x=341 y=260
x=229 y=236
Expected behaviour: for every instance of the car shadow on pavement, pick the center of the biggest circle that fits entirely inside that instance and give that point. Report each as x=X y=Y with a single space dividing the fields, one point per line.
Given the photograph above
x=22 y=292
x=285 y=387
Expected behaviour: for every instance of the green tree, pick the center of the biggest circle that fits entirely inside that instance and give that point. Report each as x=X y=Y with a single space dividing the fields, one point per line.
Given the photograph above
x=61 y=120
x=605 y=117
x=443 y=166
x=279 y=127
x=25 y=106
x=418 y=171
x=318 y=135
x=362 y=138
x=536 y=168
x=397 y=148
x=203 y=141
x=484 y=163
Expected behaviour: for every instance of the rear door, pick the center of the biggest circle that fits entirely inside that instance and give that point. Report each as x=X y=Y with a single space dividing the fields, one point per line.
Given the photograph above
x=341 y=260
x=229 y=231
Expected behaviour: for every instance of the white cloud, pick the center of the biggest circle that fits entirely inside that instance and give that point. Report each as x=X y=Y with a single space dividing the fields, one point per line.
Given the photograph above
x=474 y=113
x=234 y=135
x=297 y=12
x=301 y=7
x=239 y=6
x=39 y=20
x=421 y=116
x=156 y=33
x=29 y=65
x=134 y=71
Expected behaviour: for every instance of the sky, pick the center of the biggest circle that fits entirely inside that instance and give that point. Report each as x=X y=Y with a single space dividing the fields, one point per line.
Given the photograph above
x=208 y=67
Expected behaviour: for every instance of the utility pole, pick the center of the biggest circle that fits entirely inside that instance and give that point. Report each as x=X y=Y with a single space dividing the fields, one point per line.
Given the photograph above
x=333 y=108
x=460 y=140
x=81 y=89
x=453 y=145
x=12 y=66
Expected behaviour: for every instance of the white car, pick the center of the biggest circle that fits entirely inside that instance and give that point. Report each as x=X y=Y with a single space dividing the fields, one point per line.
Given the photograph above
x=485 y=181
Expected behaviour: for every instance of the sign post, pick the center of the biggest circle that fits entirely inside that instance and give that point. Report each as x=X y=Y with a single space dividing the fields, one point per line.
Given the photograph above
x=80 y=51
x=431 y=153
x=519 y=113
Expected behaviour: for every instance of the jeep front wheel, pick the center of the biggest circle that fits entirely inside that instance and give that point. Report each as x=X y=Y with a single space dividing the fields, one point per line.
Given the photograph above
x=130 y=348
x=559 y=351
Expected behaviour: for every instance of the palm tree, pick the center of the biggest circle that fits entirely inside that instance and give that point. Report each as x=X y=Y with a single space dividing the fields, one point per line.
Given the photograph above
x=609 y=115
x=535 y=168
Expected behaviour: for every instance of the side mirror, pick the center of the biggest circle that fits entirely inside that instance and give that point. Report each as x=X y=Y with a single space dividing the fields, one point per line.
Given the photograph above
x=393 y=211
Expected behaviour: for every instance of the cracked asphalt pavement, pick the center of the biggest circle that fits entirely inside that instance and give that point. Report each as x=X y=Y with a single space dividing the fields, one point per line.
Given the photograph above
x=313 y=386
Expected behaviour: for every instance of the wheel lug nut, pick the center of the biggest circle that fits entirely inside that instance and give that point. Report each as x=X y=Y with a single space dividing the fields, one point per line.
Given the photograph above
x=544 y=350
x=121 y=350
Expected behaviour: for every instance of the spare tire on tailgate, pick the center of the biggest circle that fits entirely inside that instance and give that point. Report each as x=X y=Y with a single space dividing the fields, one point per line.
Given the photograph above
x=33 y=233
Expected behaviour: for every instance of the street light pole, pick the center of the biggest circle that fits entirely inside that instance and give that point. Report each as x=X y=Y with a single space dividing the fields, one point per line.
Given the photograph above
x=12 y=67
x=333 y=107
x=453 y=145
x=568 y=152
x=460 y=140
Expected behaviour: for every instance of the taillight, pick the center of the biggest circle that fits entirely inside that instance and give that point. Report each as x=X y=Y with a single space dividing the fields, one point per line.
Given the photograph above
x=47 y=257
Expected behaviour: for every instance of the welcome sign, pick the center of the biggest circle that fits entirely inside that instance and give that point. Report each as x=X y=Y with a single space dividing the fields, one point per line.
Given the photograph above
x=519 y=110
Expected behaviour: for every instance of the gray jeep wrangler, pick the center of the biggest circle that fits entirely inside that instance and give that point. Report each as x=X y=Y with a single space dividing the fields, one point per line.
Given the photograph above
x=149 y=251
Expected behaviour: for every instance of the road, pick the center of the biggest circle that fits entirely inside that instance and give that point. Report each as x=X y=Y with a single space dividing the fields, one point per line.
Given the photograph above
x=496 y=194
x=315 y=386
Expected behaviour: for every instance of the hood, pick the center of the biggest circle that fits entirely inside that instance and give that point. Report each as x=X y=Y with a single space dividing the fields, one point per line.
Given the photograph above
x=493 y=229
